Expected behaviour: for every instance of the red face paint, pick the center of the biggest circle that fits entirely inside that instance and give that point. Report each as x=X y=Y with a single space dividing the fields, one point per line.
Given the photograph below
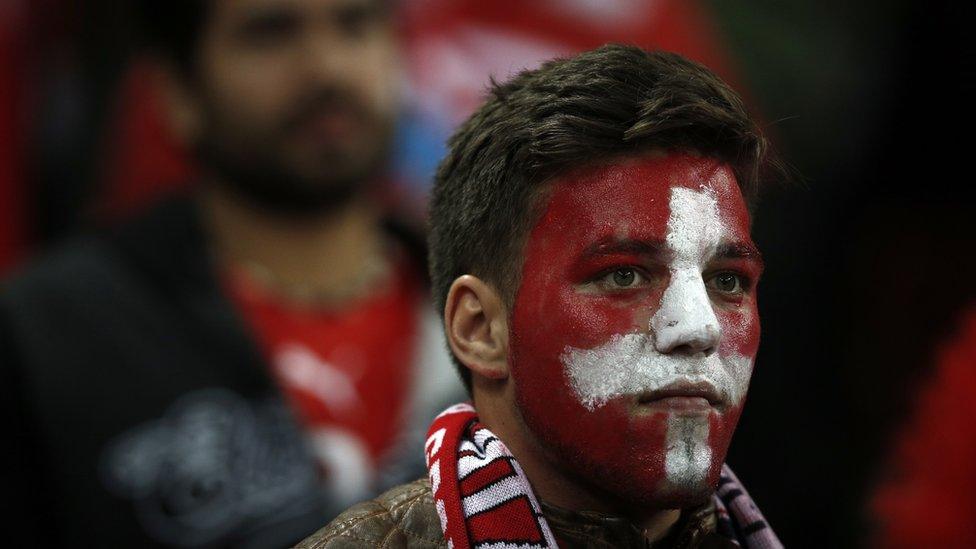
x=599 y=265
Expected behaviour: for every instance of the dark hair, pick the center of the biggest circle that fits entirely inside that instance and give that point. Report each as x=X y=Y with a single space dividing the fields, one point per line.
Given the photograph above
x=609 y=102
x=171 y=29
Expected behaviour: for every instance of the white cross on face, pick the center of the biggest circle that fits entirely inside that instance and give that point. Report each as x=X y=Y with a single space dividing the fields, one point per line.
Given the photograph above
x=684 y=333
x=637 y=295
x=680 y=345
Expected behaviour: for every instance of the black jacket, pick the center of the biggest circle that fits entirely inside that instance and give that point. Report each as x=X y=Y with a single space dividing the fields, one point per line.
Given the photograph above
x=141 y=412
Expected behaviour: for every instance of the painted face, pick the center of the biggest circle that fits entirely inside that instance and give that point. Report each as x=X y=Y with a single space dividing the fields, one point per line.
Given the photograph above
x=635 y=326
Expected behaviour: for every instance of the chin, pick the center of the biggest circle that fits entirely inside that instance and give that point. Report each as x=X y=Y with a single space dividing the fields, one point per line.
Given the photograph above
x=658 y=493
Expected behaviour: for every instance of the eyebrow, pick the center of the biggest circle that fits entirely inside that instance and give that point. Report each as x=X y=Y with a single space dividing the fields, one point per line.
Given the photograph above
x=654 y=248
x=658 y=248
x=739 y=250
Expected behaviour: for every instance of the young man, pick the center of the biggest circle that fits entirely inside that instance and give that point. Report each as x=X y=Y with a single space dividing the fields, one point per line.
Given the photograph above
x=590 y=252
x=236 y=366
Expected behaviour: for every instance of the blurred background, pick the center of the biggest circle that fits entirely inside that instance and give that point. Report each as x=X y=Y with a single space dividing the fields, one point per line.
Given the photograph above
x=870 y=254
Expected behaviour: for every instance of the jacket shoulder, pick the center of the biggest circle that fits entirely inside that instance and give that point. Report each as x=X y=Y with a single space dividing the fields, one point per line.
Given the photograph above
x=69 y=265
x=404 y=516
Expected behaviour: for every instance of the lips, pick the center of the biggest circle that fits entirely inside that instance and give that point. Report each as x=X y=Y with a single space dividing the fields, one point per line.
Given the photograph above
x=683 y=392
x=331 y=125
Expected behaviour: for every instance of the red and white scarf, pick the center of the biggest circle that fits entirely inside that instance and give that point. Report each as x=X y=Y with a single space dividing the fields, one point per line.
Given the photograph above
x=485 y=501
x=481 y=494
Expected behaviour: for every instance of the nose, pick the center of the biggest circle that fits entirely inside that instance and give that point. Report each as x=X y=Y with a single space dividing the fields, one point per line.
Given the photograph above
x=325 y=59
x=328 y=53
x=685 y=321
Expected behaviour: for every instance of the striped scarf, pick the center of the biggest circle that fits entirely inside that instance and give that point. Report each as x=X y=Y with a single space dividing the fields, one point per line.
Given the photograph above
x=485 y=501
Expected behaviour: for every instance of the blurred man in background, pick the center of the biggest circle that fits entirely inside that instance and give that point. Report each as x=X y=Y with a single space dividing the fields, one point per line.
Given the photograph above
x=235 y=366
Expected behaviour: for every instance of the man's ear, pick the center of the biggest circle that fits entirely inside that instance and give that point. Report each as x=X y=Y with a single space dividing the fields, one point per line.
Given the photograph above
x=476 y=321
x=179 y=103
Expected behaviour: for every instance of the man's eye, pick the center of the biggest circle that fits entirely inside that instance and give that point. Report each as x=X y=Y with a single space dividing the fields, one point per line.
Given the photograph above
x=269 y=29
x=624 y=277
x=355 y=21
x=728 y=283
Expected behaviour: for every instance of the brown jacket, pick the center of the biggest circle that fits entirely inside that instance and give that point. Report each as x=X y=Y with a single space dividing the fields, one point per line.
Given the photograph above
x=405 y=517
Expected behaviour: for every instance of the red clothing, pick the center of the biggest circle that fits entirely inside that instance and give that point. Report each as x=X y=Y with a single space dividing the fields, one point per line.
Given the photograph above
x=346 y=372
x=929 y=499
x=454 y=46
x=14 y=208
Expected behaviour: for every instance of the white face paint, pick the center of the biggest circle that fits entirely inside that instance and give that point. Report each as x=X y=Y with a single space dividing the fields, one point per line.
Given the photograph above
x=685 y=315
x=630 y=364
x=688 y=455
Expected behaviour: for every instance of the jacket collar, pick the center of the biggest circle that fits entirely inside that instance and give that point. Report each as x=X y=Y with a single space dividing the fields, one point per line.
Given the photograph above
x=695 y=527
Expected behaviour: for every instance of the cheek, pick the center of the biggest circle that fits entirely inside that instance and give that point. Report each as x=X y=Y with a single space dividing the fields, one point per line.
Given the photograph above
x=721 y=429
x=740 y=330
x=601 y=440
x=550 y=313
x=549 y=316
x=378 y=74
x=252 y=90
x=249 y=109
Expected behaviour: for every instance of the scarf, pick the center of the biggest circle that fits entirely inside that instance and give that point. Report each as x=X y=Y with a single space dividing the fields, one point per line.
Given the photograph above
x=484 y=499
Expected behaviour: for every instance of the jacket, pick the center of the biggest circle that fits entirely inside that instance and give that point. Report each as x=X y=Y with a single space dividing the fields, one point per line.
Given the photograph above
x=405 y=517
x=141 y=411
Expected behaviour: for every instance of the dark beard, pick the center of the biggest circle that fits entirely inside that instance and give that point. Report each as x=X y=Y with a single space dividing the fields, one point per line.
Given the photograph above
x=268 y=186
x=252 y=170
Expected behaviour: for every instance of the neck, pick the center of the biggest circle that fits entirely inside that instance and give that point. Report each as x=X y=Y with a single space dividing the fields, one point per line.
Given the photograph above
x=550 y=483
x=325 y=258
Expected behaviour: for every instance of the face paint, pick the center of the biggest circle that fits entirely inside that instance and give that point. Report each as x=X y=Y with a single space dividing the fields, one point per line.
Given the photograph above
x=635 y=326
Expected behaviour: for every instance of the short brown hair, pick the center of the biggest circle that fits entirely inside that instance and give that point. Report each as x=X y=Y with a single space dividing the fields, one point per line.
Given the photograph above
x=609 y=102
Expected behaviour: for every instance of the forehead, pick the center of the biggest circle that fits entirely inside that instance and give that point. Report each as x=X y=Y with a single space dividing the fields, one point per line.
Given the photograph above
x=630 y=197
x=237 y=10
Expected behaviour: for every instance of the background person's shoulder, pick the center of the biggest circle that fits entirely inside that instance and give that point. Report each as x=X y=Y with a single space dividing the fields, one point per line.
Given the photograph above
x=403 y=516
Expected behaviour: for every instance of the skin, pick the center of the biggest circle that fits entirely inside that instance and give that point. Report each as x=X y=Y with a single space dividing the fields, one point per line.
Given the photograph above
x=308 y=85
x=599 y=220
x=290 y=108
